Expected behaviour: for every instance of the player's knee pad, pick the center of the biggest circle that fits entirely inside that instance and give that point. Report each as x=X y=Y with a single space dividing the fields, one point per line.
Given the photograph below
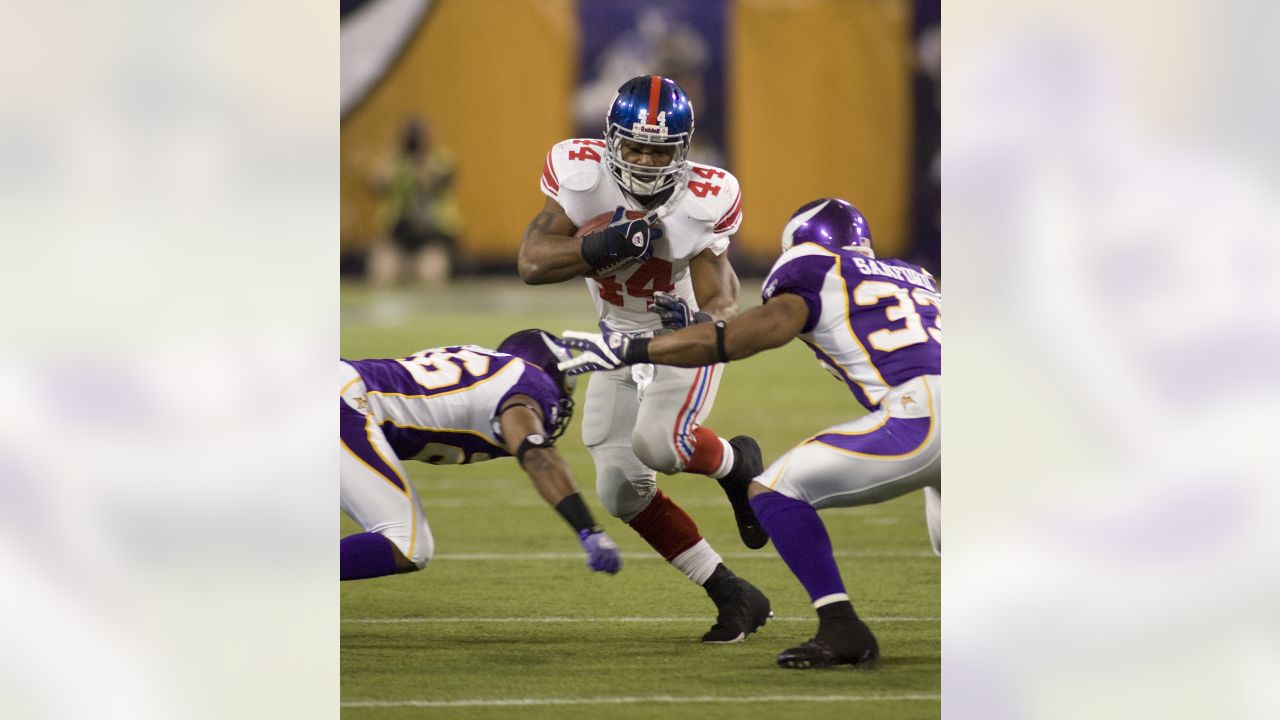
x=655 y=447
x=933 y=517
x=624 y=485
x=414 y=542
x=423 y=549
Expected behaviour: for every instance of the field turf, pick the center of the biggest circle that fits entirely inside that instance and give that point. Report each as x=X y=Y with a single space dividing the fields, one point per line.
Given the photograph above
x=507 y=622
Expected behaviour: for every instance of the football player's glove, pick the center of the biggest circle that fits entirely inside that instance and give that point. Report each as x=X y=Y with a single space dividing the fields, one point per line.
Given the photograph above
x=621 y=240
x=675 y=312
x=602 y=552
x=596 y=351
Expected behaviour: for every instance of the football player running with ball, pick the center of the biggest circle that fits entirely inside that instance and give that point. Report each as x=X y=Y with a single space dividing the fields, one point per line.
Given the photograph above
x=452 y=405
x=875 y=325
x=656 y=259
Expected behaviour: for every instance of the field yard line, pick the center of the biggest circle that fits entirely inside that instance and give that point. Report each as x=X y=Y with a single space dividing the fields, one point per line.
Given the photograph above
x=863 y=554
x=408 y=620
x=907 y=697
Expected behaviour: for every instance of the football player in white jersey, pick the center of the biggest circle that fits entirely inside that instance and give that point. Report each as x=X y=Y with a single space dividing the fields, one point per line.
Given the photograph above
x=875 y=325
x=452 y=405
x=666 y=269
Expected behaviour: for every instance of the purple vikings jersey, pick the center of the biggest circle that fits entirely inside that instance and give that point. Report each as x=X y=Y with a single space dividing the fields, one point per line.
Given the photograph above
x=439 y=405
x=874 y=324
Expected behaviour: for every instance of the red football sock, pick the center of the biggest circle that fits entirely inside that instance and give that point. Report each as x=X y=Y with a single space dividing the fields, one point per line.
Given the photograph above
x=708 y=452
x=666 y=527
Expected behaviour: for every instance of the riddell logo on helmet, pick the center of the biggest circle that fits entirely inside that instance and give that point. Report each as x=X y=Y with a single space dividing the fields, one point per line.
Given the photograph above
x=642 y=127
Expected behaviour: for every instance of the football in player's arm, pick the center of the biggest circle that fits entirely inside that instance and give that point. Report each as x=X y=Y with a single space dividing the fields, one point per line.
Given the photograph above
x=459 y=404
x=649 y=232
x=875 y=325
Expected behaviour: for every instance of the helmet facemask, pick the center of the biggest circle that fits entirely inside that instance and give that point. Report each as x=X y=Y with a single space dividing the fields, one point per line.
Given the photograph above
x=646 y=180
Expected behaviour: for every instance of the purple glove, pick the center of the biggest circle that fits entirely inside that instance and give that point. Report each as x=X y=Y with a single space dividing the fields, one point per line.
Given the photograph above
x=602 y=551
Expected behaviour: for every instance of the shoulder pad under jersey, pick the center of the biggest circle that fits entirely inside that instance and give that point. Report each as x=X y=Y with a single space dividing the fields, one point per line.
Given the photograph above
x=714 y=196
x=798 y=251
x=572 y=165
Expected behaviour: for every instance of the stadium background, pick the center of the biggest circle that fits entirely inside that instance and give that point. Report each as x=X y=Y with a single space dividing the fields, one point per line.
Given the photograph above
x=798 y=99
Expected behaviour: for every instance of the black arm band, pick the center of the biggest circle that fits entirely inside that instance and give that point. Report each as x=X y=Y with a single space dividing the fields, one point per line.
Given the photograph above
x=637 y=351
x=529 y=443
x=721 y=353
x=595 y=250
x=575 y=512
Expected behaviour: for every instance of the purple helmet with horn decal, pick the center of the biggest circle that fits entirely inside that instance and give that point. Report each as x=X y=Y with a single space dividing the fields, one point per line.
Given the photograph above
x=538 y=347
x=829 y=222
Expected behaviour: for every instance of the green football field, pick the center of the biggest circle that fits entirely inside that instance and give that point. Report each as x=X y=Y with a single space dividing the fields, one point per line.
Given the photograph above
x=507 y=622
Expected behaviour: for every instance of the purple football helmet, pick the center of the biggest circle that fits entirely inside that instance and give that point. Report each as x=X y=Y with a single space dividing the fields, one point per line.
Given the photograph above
x=652 y=110
x=829 y=222
x=538 y=347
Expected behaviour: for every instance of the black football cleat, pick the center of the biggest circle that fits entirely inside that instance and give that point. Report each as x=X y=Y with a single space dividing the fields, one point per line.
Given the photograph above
x=747 y=466
x=743 y=609
x=851 y=645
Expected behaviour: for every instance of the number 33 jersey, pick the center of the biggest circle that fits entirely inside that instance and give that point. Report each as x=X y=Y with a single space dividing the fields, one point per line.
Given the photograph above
x=703 y=211
x=874 y=324
x=439 y=405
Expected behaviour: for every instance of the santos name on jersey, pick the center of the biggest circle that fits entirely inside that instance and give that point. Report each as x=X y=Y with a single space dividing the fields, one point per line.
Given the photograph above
x=439 y=405
x=875 y=324
x=704 y=210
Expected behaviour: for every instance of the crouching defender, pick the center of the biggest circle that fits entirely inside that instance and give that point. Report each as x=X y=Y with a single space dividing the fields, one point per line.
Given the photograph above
x=874 y=324
x=453 y=405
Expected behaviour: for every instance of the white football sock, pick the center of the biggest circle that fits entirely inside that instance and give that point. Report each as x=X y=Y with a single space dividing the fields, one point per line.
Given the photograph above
x=726 y=463
x=698 y=562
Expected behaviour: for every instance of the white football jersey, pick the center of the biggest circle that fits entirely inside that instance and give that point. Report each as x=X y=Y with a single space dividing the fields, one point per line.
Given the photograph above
x=703 y=212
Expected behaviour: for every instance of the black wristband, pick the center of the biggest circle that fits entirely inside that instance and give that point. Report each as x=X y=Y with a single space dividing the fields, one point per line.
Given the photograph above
x=721 y=353
x=529 y=443
x=575 y=512
x=637 y=351
x=595 y=250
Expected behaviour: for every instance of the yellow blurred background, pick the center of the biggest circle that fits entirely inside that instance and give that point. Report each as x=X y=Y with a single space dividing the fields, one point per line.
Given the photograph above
x=818 y=98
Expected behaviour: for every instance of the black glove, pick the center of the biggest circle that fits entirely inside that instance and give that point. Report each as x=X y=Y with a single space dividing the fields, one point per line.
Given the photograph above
x=675 y=312
x=621 y=242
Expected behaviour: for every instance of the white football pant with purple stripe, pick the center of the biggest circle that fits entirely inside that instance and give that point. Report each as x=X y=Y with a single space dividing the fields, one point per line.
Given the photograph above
x=890 y=452
x=375 y=490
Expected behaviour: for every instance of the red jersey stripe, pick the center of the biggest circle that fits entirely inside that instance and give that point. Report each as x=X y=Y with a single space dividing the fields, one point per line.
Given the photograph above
x=729 y=218
x=549 y=175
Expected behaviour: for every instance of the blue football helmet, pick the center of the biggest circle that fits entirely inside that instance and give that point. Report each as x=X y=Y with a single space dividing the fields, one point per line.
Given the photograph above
x=653 y=110
x=538 y=347
x=829 y=222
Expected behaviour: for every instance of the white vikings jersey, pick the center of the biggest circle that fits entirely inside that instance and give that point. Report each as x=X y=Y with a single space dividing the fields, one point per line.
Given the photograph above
x=438 y=405
x=704 y=210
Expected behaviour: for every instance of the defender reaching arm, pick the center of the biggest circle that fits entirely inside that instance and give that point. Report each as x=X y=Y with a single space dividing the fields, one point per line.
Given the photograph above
x=768 y=326
x=526 y=439
x=520 y=419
